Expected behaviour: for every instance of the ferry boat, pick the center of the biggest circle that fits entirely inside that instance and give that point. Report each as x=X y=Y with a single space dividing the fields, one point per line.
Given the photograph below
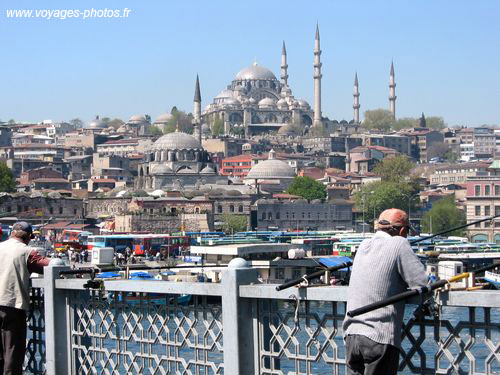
x=493 y=278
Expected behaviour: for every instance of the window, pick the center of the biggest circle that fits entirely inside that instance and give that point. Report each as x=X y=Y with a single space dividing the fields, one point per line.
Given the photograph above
x=497 y=224
x=477 y=225
x=477 y=190
x=477 y=210
x=219 y=209
x=240 y=208
x=497 y=189
x=9 y=208
x=486 y=210
x=75 y=211
x=497 y=210
x=51 y=210
x=263 y=216
x=270 y=215
x=487 y=189
x=278 y=215
x=173 y=210
x=231 y=208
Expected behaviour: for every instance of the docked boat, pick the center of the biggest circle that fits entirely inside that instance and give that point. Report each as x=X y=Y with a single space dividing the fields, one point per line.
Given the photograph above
x=493 y=278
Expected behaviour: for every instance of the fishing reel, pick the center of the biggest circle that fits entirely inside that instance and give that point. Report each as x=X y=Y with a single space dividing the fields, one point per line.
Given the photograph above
x=427 y=308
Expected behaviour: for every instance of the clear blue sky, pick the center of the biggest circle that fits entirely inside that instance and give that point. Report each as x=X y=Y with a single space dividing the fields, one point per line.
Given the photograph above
x=446 y=56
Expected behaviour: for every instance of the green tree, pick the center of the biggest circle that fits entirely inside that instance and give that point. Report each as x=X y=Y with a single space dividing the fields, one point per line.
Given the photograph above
x=106 y=120
x=307 y=188
x=218 y=127
x=7 y=181
x=396 y=168
x=184 y=120
x=155 y=131
x=234 y=223
x=405 y=123
x=375 y=197
x=443 y=215
x=378 y=119
x=77 y=123
x=115 y=123
x=435 y=122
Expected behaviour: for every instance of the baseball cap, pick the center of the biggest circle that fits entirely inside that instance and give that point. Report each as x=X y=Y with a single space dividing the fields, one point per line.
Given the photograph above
x=24 y=226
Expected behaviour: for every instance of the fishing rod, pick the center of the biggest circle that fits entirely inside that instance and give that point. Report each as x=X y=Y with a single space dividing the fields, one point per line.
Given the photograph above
x=348 y=264
x=313 y=275
x=453 y=229
x=416 y=292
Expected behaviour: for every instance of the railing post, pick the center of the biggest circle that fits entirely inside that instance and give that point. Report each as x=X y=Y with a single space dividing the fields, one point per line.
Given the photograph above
x=238 y=319
x=57 y=358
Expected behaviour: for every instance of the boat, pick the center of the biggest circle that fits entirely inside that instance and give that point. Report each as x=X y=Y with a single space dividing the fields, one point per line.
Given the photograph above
x=493 y=278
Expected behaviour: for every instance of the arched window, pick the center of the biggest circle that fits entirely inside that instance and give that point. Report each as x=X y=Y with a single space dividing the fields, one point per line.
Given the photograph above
x=240 y=208
x=263 y=216
x=270 y=215
x=197 y=210
x=231 y=208
x=219 y=209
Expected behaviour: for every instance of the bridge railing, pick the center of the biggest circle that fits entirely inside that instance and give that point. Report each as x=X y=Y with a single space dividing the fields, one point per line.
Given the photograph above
x=238 y=327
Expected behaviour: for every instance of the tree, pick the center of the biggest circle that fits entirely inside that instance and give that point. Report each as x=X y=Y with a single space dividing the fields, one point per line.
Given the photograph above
x=115 y=123
x=443 y=215
x=7 y=181
x=76 y=123
x=396 y=168
x=218 y=127
x=375 y=197
x=435 y=123
x=405 y=123
x=155 y=131
x=11 y=122
x=438 y=149
x=307 y=188
x=378 y=119
x=105 y=120
x=234 y=223
x=184 y=120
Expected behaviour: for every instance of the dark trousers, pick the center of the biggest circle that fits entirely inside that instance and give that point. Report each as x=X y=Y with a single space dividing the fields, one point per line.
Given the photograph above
x=367 y=357
x=13 y=340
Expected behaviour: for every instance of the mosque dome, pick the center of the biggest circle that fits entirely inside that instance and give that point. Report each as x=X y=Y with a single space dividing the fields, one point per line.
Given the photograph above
x=267 y=103
x=282 y=104
x=303 y=104
x=137 y=119
x=163 y=118
x=176 y=141
x=255 y=72
x=207 y=170
x=225 y=94
x=160 y=169
x=232 y=102
x=271 y=169
x=97 y=123
x=252 y=101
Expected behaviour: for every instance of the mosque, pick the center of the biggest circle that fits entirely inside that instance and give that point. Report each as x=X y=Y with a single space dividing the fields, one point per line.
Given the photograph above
x=257 y=102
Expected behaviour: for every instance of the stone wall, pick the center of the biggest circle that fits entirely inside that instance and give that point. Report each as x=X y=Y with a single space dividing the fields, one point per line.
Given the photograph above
x=164 y=224
x=100 y=207
x=39 y=209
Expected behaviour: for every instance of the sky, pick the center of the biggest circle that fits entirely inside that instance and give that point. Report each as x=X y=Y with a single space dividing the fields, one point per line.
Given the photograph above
x=446 y=56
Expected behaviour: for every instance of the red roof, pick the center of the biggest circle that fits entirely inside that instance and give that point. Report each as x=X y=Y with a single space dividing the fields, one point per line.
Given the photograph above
x=104 y=180
x=59 y=225
x=285 y=196
x=48 y=179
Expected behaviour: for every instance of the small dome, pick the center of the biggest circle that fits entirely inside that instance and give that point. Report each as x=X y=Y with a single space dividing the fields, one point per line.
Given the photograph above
x=96 y=123
x=137 y=119
x=282 y=104
x=267 y=103
x=176 y=141
x=157 y=193
x=252 y=101
x=232 y=102
x=271 y=169
x=160 y=169
x=163 y=118
x=255 y=72
x=207 y=170
x=225 y=94
x=303 y=104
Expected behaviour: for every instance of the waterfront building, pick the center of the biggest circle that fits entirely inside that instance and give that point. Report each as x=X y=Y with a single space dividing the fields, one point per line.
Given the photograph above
x=483 y=200
x=295 y=214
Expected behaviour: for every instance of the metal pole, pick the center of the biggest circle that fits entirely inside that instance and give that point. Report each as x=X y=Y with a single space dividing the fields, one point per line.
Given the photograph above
x=363 y=213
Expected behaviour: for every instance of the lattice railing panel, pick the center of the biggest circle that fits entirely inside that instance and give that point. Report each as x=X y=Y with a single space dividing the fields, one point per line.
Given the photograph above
x=145 y=334
x=308 y=340
x=34 y=361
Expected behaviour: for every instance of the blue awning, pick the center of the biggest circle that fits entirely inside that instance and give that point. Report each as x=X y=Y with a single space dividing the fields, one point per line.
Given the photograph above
x=335 y=261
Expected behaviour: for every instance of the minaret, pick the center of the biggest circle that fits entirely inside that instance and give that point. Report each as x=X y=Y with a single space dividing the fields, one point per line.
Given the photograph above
x=355 y=104
x=392 y=92
x=197 y=109
x=317 y=80
x=284 y=66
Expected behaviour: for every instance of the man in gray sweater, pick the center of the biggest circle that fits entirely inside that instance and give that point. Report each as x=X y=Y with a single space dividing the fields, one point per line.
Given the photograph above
x=384 y=265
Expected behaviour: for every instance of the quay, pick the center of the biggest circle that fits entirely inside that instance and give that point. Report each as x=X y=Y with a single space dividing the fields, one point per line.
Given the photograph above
x=237 y=326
